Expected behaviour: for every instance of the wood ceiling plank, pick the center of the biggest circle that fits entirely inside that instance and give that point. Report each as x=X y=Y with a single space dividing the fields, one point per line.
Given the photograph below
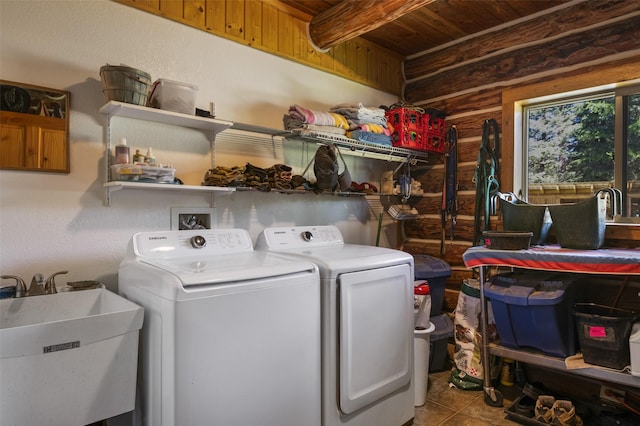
x=434 y=24
x=352 y=18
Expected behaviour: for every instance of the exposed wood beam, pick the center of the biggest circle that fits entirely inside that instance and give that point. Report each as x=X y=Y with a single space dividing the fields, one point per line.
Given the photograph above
x=352 y=18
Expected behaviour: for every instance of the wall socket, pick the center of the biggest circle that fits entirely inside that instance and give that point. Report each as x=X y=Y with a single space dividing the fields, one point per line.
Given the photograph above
x=186 y=218
x=608 y=394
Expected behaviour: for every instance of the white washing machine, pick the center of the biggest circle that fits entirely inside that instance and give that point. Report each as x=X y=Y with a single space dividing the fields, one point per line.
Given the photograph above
x=231 y=336
x=367 y=324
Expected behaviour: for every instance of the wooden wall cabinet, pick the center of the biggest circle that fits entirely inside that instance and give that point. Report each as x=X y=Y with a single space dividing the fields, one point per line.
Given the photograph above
x=34 y=128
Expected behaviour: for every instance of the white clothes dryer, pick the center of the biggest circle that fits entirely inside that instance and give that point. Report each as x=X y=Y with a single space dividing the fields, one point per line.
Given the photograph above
x=231 y=336
x=367 y=324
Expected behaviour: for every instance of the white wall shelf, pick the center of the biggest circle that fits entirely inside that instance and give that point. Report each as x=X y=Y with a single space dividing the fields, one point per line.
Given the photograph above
x=212 y=127
x=122 y=109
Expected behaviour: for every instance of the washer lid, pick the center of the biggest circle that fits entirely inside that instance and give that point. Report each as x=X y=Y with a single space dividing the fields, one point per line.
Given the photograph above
x=209 y=256
x=199 y=270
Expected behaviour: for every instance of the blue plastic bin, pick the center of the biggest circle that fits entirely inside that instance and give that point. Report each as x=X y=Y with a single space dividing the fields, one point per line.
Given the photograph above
x=435 y=271
x=533 y=309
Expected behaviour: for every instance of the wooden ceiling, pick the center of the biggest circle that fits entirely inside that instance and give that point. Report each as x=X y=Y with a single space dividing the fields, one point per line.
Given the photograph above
x=410 y=29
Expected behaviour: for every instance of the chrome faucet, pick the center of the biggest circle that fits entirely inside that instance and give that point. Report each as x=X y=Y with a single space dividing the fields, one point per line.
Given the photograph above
x=38 y=284
x=21 y=288
x=50 y=283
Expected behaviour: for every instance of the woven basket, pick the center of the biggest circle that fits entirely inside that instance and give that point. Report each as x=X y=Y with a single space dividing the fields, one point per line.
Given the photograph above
x=125 y=84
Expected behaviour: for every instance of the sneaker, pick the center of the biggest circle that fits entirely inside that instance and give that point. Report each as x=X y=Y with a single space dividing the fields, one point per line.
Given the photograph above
x=564 y=414
x=544 y=408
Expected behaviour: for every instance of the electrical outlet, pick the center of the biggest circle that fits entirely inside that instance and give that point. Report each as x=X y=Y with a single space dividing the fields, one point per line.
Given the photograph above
x=185 y=218
x=612 y=395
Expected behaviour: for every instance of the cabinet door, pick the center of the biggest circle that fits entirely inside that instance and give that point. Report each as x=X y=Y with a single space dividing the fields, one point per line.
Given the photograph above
x=53 y=150
x=12 y=146
x=33 y=144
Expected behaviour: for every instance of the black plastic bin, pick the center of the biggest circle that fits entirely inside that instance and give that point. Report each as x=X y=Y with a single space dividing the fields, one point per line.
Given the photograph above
x=435 y=271
x=438 y=352
x=604 y=333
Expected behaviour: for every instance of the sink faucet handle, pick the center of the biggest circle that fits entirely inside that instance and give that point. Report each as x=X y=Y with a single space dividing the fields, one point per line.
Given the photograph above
x=21 y=288
x=37 y=285
x=50 y=284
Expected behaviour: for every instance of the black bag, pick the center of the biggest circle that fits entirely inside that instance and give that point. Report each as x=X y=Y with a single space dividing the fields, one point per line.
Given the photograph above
x=325 y=168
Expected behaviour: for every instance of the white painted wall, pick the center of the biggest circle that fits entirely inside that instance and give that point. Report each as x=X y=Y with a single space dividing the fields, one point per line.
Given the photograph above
x=51 y=222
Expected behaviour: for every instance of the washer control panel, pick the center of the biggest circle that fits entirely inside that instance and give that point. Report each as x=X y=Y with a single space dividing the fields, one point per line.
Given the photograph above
x=299 y=237
x=169 y=244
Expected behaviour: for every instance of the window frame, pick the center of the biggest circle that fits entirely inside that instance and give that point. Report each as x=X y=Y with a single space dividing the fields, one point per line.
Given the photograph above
x=619 y=96
x=625 y=71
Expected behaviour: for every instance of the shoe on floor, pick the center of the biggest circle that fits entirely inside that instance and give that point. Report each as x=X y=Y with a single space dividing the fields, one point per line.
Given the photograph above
x=564 y=414
x=544 y=408
x=527 y=401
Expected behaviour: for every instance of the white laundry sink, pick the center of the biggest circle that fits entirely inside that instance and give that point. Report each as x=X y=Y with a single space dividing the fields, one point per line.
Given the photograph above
x=68 y=358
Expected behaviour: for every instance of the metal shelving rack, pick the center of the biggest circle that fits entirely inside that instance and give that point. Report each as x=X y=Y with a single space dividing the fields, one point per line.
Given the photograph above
x=619 y=262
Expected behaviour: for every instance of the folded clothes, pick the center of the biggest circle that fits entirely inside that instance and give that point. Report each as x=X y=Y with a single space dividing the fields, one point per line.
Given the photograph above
x=370 y=137
x=301 y=115
x=359 y=114
x=375 y=128
x=324 y=129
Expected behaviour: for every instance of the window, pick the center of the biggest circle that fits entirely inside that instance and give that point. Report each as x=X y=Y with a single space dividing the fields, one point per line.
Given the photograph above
x=575 y=144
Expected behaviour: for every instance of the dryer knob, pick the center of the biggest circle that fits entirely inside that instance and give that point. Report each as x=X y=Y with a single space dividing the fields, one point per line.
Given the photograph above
x=307 y=236
x=198 y=241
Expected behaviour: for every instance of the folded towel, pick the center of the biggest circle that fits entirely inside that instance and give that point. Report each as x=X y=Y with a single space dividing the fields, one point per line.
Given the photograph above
x=376 y=138
x=324 y=129
x=359 y=114
x=304 y=115
x=375 y=128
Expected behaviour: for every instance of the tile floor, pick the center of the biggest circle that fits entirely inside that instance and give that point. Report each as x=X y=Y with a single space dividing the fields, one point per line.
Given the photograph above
x=455 y=407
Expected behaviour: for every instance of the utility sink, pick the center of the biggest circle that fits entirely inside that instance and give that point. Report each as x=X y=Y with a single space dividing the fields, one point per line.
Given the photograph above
x=68 y=358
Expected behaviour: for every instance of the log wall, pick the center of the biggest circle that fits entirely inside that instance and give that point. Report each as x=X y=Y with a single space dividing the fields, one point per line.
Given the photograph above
x=582 y=45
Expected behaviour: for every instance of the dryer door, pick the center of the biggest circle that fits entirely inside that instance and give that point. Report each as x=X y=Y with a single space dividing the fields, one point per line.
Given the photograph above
x=376 y=334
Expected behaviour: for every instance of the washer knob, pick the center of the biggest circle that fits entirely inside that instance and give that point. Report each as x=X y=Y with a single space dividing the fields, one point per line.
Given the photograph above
x=307 y=236
x=198 y=241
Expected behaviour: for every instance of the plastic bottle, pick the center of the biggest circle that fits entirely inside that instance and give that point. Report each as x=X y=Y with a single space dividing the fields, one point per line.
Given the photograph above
x=122 y=152
x=507 y=376
x=149 y=158
x=138 y=157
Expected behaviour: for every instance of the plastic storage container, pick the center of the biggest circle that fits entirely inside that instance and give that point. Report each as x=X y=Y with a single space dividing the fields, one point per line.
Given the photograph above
x=439 y=340
x=407 y=128
x=173 y=96
x=433 y=131
x=604 y=334
x=581 y=225
x=533 y=309
x=520 y=216
x=137 y=173
x=435 y=271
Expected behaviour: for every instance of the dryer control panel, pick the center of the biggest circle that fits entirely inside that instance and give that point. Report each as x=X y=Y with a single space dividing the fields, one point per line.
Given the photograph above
x=299 y=237
x=174 y=244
